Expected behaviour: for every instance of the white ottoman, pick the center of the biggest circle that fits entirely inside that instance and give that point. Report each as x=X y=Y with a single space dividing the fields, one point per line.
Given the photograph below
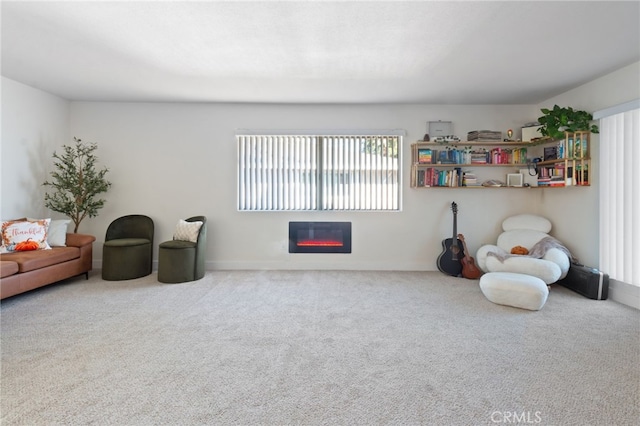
x=517 y=290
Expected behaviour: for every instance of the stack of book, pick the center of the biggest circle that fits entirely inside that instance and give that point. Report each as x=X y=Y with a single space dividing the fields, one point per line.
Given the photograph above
x=470 y=179
x=484 y=135
x=551 y=176
x=544 y=180
x=478 y=158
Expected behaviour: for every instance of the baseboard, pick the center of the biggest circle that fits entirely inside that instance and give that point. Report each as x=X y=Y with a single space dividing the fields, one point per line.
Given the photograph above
x=347 y=265
x=624 y=293
x=311 y=264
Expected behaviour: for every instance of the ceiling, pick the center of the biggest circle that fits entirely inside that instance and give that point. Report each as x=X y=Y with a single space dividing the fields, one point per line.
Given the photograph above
x=430 y=52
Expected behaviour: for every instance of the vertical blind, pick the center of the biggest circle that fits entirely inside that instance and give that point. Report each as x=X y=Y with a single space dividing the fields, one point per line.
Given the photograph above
x=620 y=196
x=328 y=172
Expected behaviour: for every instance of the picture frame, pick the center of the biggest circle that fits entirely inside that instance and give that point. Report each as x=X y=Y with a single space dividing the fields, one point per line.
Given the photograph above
x=514 y=180
x=550 y=153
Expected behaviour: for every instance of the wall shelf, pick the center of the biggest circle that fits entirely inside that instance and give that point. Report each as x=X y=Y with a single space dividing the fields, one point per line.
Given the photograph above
x=452 y=164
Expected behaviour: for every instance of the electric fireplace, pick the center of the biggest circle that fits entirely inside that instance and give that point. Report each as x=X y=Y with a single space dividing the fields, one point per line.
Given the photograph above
x=319 y=237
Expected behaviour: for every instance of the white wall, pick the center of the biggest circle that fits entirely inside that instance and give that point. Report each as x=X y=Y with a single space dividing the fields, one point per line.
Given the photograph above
x=34 y=124
x=171 y=161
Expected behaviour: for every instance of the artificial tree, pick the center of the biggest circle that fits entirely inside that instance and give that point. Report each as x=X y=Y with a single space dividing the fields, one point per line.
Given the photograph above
x=76 y=183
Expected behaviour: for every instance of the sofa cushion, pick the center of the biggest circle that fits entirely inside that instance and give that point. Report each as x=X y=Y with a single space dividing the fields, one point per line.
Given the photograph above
x=57 y=236
x=31 y=260
x=8 y=268
x=127 y=242
x=15 y=232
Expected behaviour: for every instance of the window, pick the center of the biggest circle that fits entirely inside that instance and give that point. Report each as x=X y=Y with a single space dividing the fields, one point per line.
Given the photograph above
x=319 y=172
x=620 y=193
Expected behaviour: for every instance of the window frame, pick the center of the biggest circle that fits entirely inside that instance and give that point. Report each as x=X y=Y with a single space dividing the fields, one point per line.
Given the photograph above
x=319 y=171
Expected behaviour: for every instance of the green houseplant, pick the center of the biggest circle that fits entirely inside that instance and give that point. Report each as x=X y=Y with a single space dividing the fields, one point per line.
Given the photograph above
x=76 y=183
x=558 y=120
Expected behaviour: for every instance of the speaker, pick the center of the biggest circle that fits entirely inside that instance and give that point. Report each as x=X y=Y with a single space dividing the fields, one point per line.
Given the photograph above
x=589 y=282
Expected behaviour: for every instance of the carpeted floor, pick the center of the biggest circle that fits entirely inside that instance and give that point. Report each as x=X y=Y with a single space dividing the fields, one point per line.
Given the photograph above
x=313 y=348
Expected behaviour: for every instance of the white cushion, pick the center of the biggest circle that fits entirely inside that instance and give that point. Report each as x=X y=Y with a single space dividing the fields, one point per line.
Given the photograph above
x=519 y=237
x=187 y=231
x=517 y=290
x=483 y=253
x=527 y=221
x=561 y=259
x=58 y=233
x=543 y=269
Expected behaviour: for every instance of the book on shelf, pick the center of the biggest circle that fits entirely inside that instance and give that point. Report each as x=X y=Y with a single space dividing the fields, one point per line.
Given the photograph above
x=556 y=181
x=435 y=177
x=425 y=156
x=573 y=148
x=496 y=155
x=582 y=176
x=478 y=158
x=553 y=175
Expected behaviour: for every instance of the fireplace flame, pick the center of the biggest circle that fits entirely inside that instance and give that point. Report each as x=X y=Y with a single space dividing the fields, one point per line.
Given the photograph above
x=319 y=243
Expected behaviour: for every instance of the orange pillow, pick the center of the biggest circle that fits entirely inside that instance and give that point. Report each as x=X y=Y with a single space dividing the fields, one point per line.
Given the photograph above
x=519 y=250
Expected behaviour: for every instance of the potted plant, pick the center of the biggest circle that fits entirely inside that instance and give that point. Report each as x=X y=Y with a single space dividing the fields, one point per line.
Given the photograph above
x=558 y=120
x=76 y=183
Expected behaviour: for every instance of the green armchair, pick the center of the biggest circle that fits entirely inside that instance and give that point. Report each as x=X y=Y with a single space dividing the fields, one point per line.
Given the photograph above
x=128 y=248
x=182 y=259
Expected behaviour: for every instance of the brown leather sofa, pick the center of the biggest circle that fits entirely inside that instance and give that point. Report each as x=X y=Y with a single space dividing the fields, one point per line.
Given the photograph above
x=24 y=271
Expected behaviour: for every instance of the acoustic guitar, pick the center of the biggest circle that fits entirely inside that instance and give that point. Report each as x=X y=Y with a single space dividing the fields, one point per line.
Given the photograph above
x=469 y=268
x=449 y=261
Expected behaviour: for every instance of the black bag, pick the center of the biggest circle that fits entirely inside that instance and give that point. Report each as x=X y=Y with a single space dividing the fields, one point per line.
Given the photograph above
x=587 y=281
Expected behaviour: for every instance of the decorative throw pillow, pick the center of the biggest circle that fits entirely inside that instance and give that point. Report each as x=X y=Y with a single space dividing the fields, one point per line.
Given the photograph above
x=24 y=235
x=57 y=236
x=519 y=250
x=187 y=231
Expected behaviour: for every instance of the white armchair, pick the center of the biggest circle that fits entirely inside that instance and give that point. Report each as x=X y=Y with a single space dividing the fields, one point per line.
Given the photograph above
x=547 y=260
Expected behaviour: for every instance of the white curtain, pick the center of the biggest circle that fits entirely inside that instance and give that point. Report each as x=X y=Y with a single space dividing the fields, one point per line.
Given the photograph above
x=620 y=196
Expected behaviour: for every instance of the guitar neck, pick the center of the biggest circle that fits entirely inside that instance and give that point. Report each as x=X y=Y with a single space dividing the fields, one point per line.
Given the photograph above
x=464 y=246
x=455 y=226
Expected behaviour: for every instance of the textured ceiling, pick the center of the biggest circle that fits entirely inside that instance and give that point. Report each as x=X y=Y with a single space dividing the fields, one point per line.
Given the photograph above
x=432 y=52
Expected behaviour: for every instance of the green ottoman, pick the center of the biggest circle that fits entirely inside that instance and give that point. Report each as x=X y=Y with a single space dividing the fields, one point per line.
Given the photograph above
x=175 y=261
